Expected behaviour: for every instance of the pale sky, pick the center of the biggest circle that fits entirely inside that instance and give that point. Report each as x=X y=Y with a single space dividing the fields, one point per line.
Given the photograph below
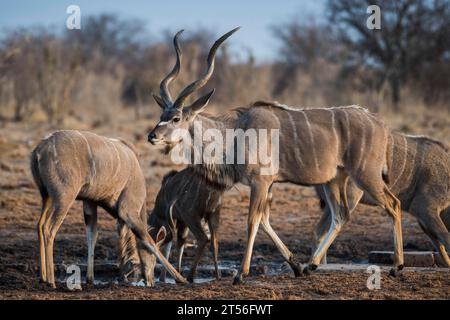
x=254 y=16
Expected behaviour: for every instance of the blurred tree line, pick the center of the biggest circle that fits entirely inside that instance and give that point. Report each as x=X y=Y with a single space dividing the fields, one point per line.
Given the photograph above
x=409 y=57
x=114 y=62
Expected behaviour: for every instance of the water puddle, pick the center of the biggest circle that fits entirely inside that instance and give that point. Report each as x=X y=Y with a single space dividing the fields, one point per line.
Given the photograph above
x=108 y=274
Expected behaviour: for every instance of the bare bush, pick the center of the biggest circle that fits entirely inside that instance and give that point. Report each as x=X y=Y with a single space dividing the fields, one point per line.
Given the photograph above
x=412 y=41
x=42 y=70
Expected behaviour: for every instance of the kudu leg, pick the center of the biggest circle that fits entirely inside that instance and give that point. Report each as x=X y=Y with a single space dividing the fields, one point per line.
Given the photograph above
x=433 y=226
x=437 y=245
x=381 y=194
x=166 y=251
x=320 y=231
x=354 y=195
x=394 y=210
x=90 y=219
x=324 y=223
x=202 y=239
x=182 y=235
x=46 y=206
x=444 y=254
x=285 y=252
x=146 y=268
x=258 y=201
x=129 y=260
x=339 y=216
x=55 y=217
x=213 y=224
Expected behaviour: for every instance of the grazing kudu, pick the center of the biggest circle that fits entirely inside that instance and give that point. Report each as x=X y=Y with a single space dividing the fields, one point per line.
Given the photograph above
x=183 y=203
x=73 y=165
x=419 y=175
x=316 y=146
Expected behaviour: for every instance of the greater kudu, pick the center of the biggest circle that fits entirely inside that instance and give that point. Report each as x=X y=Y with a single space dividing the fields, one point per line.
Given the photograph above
x=184 y=202
x=72 y=165
x=316 y=146
x=419 y=175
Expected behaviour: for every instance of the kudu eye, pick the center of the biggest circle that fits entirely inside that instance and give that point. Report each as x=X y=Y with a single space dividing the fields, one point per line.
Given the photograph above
x=176 y=119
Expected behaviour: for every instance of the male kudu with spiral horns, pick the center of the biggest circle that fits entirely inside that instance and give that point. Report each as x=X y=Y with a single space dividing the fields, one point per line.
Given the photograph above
x=316 y=146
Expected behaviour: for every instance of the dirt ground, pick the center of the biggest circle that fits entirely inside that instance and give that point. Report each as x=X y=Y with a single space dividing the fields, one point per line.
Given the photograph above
x=295 y=211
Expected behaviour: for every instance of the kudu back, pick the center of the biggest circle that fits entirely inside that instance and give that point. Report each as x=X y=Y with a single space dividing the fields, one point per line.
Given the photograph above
x=72 y=165
x=419 y=175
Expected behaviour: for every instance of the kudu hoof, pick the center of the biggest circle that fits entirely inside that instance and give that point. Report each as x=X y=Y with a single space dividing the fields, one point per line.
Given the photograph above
x=298 y=270
x=239 y=279
x=396 y=271
x=190 y=279
x=308 y=269
x=46 y=285
x=182 y=281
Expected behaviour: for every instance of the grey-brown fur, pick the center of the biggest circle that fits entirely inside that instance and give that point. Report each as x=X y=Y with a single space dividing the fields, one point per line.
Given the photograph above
x=419 y=175
x=184 y=202
x=73 y=165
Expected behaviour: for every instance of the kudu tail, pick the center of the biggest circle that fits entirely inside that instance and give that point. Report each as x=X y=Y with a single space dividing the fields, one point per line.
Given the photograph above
x=387 y=163
x=34 y=166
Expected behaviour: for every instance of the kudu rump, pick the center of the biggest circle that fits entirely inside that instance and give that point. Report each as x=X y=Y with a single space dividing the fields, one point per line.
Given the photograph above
x=322 y=146
x=72 y=165
x=419 y=175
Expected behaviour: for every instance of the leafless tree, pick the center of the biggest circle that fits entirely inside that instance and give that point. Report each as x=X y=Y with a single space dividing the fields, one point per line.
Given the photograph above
x=413 y=35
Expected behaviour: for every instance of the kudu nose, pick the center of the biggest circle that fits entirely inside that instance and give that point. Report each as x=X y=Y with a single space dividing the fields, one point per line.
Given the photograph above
x=151 y=136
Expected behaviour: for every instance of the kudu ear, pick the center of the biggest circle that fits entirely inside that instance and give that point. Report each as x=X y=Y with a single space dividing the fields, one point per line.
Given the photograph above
x=162 y=233
x=159 y=101
x=200 y=103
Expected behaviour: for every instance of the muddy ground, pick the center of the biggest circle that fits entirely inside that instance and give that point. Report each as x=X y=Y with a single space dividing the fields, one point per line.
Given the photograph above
x=295 y=211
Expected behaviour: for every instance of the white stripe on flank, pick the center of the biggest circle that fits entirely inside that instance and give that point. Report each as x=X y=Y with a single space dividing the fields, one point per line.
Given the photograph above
x=75 y=155
x=274 y=116
x=311 y=136
x=348 y=126
x=91 y=156
x=404 y=161
x=413 y=163
x=296 y=139
x=362 y=140
x=105 y=142
x=118 y=160
x=333 y=125
x=363 y=144
x=391 y=154
x=54 y=150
